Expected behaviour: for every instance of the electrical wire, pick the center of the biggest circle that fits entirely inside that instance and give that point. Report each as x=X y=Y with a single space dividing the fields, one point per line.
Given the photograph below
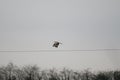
x=77 y=50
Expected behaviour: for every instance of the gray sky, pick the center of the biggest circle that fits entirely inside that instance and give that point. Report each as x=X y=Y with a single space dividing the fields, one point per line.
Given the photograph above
x=78 y=24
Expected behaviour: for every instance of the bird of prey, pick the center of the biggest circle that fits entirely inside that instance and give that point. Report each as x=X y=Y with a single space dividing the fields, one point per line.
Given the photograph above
x=56 y=44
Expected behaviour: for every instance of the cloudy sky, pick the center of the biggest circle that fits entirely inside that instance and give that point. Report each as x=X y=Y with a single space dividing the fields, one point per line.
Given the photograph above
x=79 y=24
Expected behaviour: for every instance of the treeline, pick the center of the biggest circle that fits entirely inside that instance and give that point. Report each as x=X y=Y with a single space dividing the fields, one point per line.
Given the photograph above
x=13 y=72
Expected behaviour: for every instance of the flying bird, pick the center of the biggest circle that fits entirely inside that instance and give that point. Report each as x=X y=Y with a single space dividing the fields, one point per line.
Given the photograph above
x=56 y=44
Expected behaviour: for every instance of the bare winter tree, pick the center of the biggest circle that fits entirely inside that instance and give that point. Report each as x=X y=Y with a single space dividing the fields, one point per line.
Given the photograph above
x=31 y=73
x=12 y=72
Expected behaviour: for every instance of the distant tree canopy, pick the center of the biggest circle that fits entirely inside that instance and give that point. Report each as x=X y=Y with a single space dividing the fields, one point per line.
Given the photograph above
x=13 y=72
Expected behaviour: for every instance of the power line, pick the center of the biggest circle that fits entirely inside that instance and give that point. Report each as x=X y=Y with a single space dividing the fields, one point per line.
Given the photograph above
x=78 y=50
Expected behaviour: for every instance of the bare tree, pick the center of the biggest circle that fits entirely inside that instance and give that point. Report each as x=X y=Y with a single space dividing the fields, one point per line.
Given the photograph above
x=31 y=72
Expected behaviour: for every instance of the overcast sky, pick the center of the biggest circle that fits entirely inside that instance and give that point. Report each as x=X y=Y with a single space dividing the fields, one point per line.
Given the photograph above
x=78 y=24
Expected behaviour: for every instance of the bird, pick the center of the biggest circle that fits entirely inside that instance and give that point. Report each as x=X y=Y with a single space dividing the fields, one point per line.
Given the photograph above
x=56 y=44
